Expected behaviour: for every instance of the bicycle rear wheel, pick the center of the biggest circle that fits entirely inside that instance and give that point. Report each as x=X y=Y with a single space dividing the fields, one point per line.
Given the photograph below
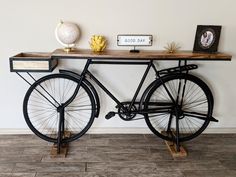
x=190 y=116
x=41 y=104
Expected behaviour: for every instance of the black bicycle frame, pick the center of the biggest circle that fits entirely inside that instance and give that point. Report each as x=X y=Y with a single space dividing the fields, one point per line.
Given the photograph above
x=87 y=72
x=165 y=106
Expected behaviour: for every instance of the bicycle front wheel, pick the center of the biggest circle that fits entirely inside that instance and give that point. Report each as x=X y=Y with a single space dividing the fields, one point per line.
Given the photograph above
x=189 y=113
x=43 y=99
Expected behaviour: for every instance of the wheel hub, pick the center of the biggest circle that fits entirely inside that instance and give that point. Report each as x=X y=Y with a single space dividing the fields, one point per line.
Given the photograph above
x=60 y=108
x=178 y=111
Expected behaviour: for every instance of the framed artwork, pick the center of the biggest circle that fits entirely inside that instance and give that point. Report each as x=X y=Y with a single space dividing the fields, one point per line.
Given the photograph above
x=207 y=38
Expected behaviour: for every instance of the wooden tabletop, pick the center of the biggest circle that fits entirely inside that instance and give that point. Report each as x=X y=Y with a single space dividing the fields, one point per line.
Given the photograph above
x=142 y=55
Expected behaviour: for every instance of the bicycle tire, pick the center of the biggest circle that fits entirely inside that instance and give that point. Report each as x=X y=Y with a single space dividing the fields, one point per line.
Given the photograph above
x=196 y=99
x=42 y=100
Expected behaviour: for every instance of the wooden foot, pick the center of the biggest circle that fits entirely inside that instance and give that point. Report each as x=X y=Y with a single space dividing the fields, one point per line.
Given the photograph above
x=63 y=149
x=172 y=148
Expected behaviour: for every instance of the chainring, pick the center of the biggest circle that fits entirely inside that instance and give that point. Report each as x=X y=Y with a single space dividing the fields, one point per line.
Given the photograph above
x=125 y=114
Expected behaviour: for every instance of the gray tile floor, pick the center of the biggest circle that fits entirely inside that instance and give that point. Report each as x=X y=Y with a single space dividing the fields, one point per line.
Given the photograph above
x=114 y=155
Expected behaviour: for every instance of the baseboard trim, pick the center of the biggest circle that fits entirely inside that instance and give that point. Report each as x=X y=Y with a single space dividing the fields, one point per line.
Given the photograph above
x=119 y=130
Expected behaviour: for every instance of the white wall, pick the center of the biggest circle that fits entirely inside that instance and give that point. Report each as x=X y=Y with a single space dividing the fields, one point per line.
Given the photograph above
x=28 y=25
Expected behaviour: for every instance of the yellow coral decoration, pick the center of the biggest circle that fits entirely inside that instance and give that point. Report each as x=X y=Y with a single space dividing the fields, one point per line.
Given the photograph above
x=98 y=43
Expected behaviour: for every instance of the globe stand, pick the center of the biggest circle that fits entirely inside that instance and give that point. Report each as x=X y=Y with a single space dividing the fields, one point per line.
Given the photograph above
x=68 y=49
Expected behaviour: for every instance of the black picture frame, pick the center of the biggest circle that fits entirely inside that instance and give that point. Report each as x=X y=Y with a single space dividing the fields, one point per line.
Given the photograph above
x=207 y=38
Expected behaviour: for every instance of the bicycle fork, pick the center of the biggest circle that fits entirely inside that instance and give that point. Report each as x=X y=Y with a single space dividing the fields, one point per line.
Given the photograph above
x=61 y=127
x=61 y=109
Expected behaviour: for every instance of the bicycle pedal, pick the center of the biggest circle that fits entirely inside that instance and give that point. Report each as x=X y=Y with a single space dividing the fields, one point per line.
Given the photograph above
x=110 y=115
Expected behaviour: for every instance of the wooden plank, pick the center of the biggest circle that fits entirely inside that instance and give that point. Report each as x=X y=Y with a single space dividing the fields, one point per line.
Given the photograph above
x=150 y=55
x=63 y=149
x=172 y=148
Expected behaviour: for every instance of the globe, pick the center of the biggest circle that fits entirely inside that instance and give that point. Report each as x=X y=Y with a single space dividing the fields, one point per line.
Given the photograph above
x=67 y=34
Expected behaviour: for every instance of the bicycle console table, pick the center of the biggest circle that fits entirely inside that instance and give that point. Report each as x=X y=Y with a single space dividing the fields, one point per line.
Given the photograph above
x=41 y=62
x=177 y=106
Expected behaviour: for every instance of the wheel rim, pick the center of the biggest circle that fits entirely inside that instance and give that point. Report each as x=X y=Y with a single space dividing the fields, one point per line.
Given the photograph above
x=195 y=100
x=42 y=100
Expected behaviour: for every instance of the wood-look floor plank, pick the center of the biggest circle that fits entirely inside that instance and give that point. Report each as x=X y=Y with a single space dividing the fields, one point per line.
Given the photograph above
x=17 y=174
x=79 y=157
x=20 y=158
x=229 y=164
x=190 y=165
x=136 y=157
x=101 y=167
x=128 y=157
x=199 y=155
x=135 y=167
x=76 y=149
x=9 y=150
x=6 y=167
x=78 y=174
x=22 y=142
x=117 y=136
x=155 y=174
x=17 y=136
x=49 y=167
x=5 y=174
x=132 y=143
x=209 y=173
x=117 y=149
x=214 y=139
x=88 y=142
x=37 y=150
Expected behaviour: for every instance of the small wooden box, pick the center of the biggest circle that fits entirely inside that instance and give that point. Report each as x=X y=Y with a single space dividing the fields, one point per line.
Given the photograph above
x=32 y=62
